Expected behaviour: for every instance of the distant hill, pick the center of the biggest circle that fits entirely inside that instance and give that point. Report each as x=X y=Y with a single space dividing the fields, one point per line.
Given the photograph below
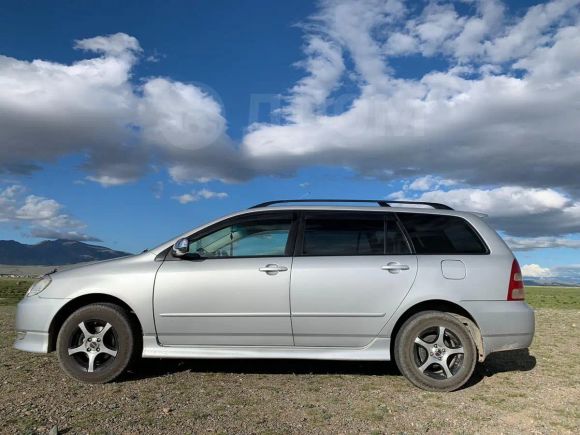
x=54 y=253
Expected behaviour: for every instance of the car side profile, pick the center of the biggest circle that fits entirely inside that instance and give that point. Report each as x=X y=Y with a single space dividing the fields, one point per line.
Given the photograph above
x=435 y=290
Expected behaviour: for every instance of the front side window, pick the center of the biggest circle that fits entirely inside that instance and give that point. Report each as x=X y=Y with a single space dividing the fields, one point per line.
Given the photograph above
x=438 y=234
x=256 y=238
x=335 y=235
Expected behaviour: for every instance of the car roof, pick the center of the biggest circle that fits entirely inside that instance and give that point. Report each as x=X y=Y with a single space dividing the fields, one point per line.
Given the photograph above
x=397 y=209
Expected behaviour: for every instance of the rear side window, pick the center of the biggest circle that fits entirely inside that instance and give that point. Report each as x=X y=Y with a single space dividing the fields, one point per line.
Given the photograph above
x=336 y=235
x=435 y=234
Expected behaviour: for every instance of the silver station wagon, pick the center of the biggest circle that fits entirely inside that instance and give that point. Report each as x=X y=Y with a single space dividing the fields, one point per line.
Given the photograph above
x=436 y=290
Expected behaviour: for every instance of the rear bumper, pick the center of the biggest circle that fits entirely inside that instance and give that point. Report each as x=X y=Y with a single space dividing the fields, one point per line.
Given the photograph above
x=504 y=325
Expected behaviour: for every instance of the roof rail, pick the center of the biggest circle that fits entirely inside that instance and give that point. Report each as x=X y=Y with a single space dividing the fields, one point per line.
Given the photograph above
x=381 y=202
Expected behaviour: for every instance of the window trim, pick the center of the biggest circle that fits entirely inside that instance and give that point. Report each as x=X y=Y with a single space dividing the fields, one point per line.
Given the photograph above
x=394 y=220
x=487 y=251
x=248 y=217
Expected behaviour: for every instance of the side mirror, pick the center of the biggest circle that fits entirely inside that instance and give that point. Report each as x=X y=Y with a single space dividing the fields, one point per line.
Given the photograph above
x=180 y=248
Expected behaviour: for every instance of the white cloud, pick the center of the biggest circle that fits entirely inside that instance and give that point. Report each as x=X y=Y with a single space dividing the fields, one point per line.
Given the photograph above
x=517 y=210
x=180 y=116
x=119 y=44
x=535 y=271
x=324 y=65
x=562 y=274
x=429 y=182
x=508 y=201
x=196 y=195
x=532 y=243
x=437 y=24
x=93 y=106
x=531 y=31
x=568 y=273
x=39 y=216
x=502 y=112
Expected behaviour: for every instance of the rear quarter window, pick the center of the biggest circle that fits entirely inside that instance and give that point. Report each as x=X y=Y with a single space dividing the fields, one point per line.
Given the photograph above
x=437 y=234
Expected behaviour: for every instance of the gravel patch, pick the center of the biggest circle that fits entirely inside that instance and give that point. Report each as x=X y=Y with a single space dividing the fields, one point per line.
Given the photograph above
x=537 y=392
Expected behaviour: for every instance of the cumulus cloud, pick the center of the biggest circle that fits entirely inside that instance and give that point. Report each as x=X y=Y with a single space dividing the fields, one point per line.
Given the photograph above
x=568 y=273
x=563 y=274
x=529 y=244
x=196 y=195
x=516 y=210
x=119 y=44
x=428 y=182
x=502 y=111
x=94 y=107
x=535 y=271
x=507 y=201
x=39 y=216
x=325 y=66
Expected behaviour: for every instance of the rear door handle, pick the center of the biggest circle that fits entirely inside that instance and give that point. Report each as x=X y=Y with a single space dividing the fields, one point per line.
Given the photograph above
x=394 y=267
x=273 y=269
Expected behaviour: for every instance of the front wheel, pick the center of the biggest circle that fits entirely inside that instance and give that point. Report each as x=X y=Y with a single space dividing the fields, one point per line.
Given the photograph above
x=96 y=343
x=435 y=351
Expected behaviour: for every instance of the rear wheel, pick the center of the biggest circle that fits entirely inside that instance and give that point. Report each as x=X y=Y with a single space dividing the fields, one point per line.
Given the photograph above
x=96 y=343
x=435 y=351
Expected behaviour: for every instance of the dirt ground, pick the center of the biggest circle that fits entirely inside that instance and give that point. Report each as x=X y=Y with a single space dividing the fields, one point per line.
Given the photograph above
x=517 y=391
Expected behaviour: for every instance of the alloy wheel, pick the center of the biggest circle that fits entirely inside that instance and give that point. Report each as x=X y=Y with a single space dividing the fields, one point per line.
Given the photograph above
x=93 y=345
x=438 y=352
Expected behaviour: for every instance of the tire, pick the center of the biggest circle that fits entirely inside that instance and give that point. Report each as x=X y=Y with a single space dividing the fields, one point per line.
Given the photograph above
x=429 y=361
x=106 y=337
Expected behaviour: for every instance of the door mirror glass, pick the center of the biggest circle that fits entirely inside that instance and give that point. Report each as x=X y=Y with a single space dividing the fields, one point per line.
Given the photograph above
x=180 y=248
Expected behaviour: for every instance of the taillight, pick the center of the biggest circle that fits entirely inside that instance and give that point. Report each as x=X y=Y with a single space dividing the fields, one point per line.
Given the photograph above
x=516 y=291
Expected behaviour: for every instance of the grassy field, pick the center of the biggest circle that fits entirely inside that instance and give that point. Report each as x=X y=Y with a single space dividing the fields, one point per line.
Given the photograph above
x=553 y=297
x=13 y=289
x=535 y=391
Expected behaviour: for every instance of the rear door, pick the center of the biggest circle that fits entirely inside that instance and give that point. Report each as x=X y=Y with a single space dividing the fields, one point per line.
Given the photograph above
x=350 y=272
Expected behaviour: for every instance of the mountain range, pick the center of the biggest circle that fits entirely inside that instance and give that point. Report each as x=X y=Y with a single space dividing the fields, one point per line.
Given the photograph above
x=54 y=253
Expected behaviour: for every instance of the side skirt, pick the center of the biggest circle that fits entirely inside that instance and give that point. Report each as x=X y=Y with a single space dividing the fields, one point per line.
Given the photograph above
x=377 y=350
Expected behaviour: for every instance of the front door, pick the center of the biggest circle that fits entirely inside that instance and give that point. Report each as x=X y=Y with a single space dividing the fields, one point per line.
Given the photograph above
x=350 y=273
x=236 y=292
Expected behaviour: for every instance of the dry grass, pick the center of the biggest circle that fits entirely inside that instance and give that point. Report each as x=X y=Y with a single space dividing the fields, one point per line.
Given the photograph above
x=553 y=297
x=511 y=392
x=13 y=289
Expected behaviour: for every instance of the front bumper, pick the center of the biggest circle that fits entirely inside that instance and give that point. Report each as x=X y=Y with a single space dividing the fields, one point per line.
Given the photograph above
x=33 y=318
x=504 y=325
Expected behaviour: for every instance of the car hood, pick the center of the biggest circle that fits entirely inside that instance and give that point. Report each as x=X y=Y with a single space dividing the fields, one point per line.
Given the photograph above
x=104 y=276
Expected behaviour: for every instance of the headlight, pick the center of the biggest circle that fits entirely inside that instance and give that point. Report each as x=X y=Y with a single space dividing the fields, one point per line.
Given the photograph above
x=39 y=286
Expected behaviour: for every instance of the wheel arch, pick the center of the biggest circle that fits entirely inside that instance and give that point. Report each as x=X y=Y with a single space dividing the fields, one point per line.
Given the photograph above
x=81 y=301
x=447 y=307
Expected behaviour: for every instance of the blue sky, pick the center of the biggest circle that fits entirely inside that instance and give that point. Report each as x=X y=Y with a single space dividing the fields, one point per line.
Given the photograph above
x=145 y=119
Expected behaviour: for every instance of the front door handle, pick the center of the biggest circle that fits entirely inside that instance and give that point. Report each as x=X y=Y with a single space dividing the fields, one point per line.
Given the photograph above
x=394 y=267
x=273 y=269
